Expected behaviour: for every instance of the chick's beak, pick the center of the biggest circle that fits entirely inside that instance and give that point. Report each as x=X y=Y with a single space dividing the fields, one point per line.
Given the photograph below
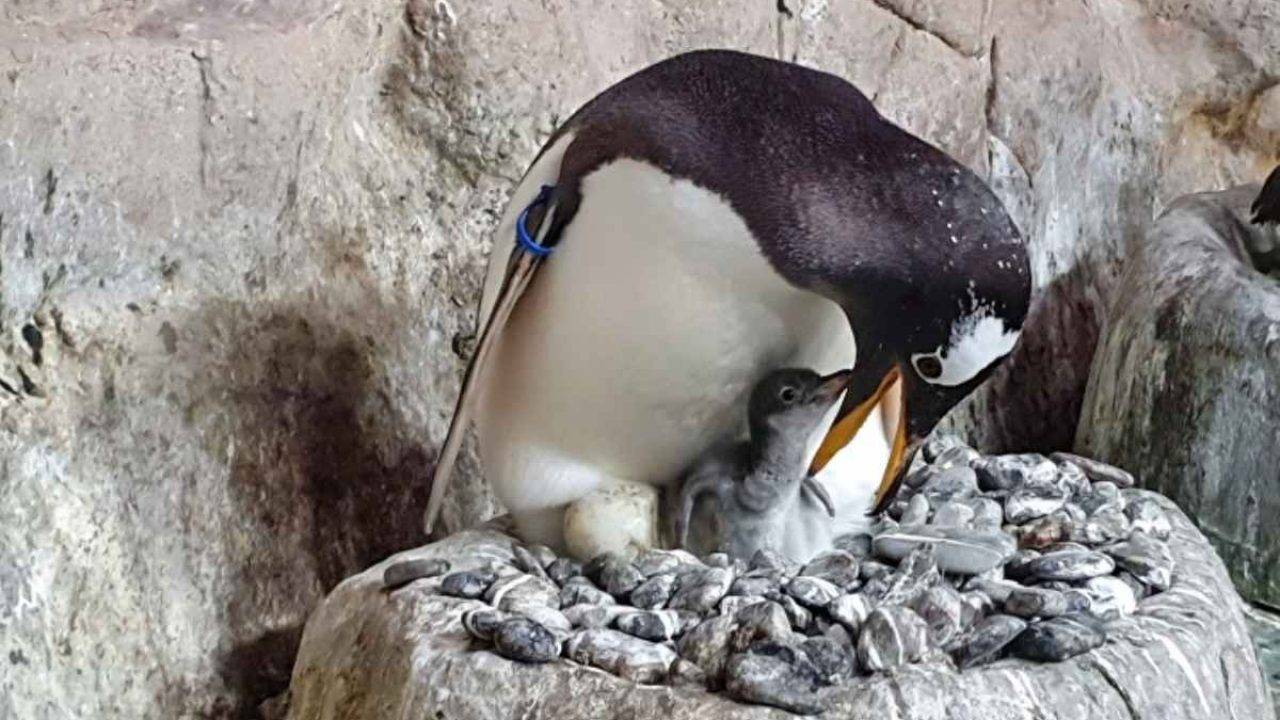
x=830 y=387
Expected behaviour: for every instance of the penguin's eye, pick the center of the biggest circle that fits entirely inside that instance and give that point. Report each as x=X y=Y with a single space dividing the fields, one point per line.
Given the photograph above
x=787 y=394
x=928 y=366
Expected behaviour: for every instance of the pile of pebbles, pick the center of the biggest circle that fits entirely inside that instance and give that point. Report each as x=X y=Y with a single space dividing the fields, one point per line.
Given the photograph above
x=980 y=558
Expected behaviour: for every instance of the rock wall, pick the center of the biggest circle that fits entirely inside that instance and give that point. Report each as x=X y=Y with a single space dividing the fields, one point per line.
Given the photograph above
x=240 y=246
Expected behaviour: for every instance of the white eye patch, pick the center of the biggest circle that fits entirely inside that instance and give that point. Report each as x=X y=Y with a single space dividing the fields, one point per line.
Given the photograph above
x=976 y=341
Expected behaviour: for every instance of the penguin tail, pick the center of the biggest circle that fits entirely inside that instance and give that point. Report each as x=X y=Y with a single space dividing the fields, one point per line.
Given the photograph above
x=1266 y=208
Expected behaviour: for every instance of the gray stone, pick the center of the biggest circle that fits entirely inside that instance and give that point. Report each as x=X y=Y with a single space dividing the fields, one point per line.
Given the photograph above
x=562 y=569
x=800 y=617
x=1110 y=598
x=707 y=645
x=527 y=561
x=592 y=617
x=1018 y=566
x=1146 y=516
x=942 y=611
x=756 y=586
x=917 y=510
x=525 y=640
x=850 y=611
x=988 y=515
x=837 y=567
x=654 y=626
x=1029 y=602
x=683 y=673
x=812 y=592
x=1044 y=532
x=654 y=592
x=406 y=571
x=1070 y=565
x=938 y=443
x=1146 y=559
x=890 y=637
x=856 y=544
x=656 y=561
x=483 y=622
x=834 y=661
x=468 y=583
x=974 y=606
x=731 y=604
x=775 y=675
x=961 y=551
x=956 y=482
x=1072 y=480
x=1097 y=471
x=1107 y=525
x=1032 y=502
x=1058 y=639
x=1102 y=495
x=507 y=593
x=701 y=590
x=619 y=578
x=766 y=559
x=1011 y=472
x=627 y=657
x=581 y=591
x=988 y=639
x=953 y=515
x=955 y=456
x=761 y=622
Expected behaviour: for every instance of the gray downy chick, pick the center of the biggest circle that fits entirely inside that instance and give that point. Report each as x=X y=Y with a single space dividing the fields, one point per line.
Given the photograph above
x=757 y=485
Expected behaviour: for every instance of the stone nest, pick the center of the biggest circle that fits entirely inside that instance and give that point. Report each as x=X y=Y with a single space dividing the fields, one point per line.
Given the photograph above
x=982 y=562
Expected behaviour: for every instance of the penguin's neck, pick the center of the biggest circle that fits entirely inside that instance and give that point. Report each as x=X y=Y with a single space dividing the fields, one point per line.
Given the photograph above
x=774 y=469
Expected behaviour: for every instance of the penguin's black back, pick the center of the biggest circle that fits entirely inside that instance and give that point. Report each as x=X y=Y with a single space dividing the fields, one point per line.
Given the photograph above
x=834 y=194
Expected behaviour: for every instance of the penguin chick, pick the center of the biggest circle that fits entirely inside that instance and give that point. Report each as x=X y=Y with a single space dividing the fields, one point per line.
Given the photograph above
x=756 y=484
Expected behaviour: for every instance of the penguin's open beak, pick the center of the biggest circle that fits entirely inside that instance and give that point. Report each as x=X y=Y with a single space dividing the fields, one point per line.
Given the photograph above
x=851 y=420
x=830 y=387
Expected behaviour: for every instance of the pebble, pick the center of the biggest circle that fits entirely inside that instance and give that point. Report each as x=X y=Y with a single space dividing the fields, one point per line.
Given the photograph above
x=873 y=569
x=1107 y=525
x=482 y=622
x=592 y=616
x=1078 y=601
x=655 y=626
x=619 y=578
x=549 y=618
x=701 y=590
x=856 y=544
x=406 y=571
x=916 y=511
x=1070 y=565
x=800 y=617
x=1043 y=532
x=937 y=444
x=718 y=559
x=988 y=639
x=686 y=674
x=760 y=586
x=956 y=482
x=1097 y=471
x=544 y=555
x=761 y=622
x=1146 y=516
x=1110 y=598
x=562 y=569
x=851 y=611
x=997 y=590
x=891 y=636
x=653 y=562
x=522 y=639
x=941 y=608
x=517 y=590
x=1146 y=559
x=1057 y=639
x=1032 y=502
x=1102 y=495
x=469 y=584
x=623 y=655
x=833 y=661
x=974 y=605
x=731 y=604
x=707 y=645
x=654 y=592
x=1018 y=566
x=988 y=515
x=837 y=567
x=1029 y=602
x=812 y=592
x=961 y=551
x=766 y=559
x=776 y=675
x=956 y=455
x=580 y=591
x=953 y=515
x=1009 y=472
x=1072 y=479
x=915 y=574
x=525 y=560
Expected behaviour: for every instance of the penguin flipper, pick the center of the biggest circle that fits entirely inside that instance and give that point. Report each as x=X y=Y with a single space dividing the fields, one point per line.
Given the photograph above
x=519 y=271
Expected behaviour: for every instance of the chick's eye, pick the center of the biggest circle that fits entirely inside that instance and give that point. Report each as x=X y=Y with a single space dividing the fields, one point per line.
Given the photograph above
x=929 y=367
x=787 y=394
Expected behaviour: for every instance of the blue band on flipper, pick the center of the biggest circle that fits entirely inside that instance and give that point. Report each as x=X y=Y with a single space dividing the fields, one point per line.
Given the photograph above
x=523 y=238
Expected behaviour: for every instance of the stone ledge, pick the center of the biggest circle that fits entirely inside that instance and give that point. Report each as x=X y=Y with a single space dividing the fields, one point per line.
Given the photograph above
x=369 y=654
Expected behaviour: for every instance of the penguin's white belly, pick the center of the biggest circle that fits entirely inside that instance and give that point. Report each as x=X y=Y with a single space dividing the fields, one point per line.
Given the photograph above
x=635 y=347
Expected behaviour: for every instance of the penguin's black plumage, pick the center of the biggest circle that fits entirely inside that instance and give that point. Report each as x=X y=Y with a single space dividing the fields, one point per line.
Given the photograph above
x=1266 y=208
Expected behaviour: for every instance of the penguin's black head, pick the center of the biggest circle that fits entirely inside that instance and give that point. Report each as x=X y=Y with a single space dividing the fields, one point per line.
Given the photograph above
x=793 y=402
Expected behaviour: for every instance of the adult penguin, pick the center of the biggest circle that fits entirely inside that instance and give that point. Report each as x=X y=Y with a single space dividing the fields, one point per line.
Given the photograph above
x=701 y=222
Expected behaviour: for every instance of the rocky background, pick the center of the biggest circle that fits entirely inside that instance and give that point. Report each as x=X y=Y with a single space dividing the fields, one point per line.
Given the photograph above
x=241 y=244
